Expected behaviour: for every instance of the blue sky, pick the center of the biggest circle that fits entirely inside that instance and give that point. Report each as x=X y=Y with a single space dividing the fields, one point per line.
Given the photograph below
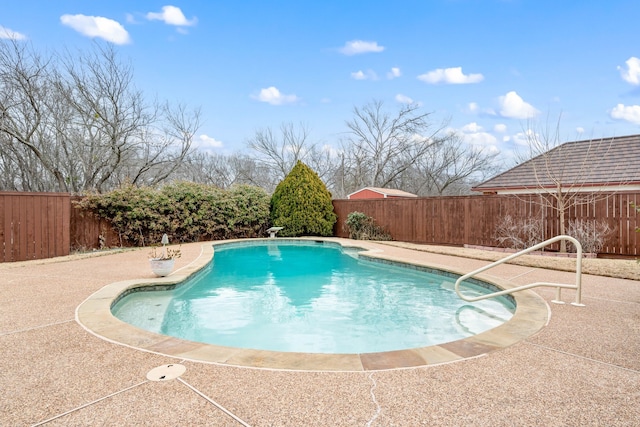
x=489 y=67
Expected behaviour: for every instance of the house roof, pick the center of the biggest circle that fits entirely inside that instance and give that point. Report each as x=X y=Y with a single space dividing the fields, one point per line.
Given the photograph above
x=385 y=192
x=594 y=162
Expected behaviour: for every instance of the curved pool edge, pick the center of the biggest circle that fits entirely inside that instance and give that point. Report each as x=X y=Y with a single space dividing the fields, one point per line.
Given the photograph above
x=94 y=315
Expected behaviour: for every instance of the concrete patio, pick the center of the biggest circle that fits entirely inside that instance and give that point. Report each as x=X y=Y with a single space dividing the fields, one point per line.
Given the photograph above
x=582 y=369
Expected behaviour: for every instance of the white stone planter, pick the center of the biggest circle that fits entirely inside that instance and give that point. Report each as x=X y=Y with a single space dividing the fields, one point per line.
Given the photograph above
x=161 y=267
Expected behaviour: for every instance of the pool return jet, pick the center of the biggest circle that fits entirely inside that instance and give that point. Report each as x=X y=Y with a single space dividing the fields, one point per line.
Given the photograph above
x=558 y=286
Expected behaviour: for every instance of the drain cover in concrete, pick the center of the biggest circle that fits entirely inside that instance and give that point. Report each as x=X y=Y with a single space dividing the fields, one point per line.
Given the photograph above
x=166 y=372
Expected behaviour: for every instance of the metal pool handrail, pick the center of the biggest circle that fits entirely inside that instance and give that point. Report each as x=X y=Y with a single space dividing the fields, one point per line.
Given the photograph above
x=558 y=286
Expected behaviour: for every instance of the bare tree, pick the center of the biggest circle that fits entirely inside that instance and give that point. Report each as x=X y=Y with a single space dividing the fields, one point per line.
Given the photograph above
x=380 y=146
x=162 y=155
x=449 y=167
x=27 y=106
x=124 y=137
x=560 y=172
x=279 y=152
x=81 y=119
x=20 y=170
x=223 y=170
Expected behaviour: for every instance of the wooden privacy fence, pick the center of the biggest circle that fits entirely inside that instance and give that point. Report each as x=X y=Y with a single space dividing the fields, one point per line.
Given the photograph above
x=34 y=226
x=90 y=232
x=473 y=219
x=46 y=225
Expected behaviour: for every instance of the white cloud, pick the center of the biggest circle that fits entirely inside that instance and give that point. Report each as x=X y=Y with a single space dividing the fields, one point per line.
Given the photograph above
x=403 y=99
x=482 y=141
x=97 y=26
x=472 y=127
x=630 y=113
x=631 y=74
x=524 y=138
x=500 y=128
x=450 y=76
x=358 y=75
x=474 y=135
x=206 y=142
x=364 y=75
x=394 y=73
x=473 y=107
x=9 y=34
x=356 y=47
x=514 y=107
x=579 y=130
x=272 y=95
x=171 y=15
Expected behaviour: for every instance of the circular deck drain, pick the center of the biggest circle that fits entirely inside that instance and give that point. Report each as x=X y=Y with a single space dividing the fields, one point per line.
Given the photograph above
x=166 y=372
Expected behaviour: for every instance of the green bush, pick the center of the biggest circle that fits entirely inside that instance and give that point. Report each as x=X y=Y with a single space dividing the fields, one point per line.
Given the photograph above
x=302 y=204
x=187 y=212
x=363 y=227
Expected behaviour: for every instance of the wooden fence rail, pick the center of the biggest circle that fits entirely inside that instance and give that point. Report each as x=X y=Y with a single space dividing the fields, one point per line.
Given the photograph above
x=473 y=219
x=45 y=225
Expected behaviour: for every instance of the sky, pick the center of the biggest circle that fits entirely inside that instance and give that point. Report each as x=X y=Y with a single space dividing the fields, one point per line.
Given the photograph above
x=492 y=70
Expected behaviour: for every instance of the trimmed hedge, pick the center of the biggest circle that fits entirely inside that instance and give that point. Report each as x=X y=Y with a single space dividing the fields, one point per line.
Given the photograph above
x=186 y=211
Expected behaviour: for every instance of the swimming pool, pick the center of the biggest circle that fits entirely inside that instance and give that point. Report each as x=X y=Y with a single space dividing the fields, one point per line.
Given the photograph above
x=313 y=297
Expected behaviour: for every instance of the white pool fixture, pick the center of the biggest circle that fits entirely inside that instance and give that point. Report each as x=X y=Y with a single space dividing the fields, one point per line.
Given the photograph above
x=273 y=231
x=166 y=372
x=558 y=286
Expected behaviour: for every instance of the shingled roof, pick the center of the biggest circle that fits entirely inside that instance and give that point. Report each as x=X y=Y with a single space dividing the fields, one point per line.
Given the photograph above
x=579 y=165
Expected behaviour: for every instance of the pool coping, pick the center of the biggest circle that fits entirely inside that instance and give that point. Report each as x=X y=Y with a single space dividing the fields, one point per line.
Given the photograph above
x=94 y=315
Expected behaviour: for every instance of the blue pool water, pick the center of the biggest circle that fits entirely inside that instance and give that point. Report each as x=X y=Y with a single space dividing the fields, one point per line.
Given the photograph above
x=312 y=297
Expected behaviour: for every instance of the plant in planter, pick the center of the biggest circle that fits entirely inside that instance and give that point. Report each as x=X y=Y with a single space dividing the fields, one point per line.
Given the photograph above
x=162 y=262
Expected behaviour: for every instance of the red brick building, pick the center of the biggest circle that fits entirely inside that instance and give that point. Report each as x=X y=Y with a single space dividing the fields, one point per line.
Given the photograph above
x=378 y=193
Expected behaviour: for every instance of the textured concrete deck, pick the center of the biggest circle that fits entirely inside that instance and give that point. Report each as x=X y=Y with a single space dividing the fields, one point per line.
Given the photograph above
x=581 y=369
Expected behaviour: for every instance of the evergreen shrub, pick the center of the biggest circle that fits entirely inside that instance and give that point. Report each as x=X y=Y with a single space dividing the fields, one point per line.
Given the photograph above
x=301 y=204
